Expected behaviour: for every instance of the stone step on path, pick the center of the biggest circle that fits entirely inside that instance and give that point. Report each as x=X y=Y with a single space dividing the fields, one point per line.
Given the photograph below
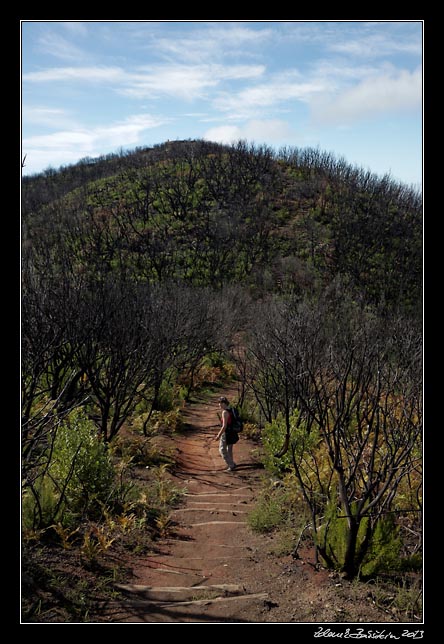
x=207 y=609
x=210 y=545
x=201 y=573
x=188 y=594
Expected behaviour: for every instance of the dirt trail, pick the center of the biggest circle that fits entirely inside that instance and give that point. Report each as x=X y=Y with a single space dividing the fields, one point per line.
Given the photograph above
x=213 y=568
x=203 y=572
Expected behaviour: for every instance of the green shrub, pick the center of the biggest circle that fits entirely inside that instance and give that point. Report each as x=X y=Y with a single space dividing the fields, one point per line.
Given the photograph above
x=273 y=437
x=77 y=480
x=162 y=492
x=268 y=513
x=166 y=396
x=382 y=551
x=165 y=422
x=81 y=467
x=39 y=509
x=215 y=359
x=332 y=534
x=140 y=450
x=278 y=505
x=81 y=463
x=302 y=443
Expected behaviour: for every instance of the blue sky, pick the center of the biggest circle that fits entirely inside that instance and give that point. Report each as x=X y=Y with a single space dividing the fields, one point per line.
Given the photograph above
x=353 y=88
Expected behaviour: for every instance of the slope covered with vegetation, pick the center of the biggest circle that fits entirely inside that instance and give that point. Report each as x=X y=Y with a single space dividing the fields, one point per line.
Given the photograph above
x=145 y=270
x=213 y=215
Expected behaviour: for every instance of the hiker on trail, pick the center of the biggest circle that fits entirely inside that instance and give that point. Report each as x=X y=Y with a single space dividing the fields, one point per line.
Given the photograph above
x=226 y=437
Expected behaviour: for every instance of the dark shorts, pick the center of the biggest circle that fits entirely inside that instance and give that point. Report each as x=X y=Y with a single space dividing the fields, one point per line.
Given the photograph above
x=232 y=436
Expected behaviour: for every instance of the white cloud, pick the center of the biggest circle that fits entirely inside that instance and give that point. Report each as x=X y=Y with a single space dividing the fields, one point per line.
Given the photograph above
x=46 y=117
x=378 y=45
x=236 y=72
x=352 y=40
x=122 y=133
x=239 y=34
x=59 y=140
x=253 y=100
x=258 y=130
x=183 y=81
x=75 y=27
x=334 y=71
x=65 y=145
x=59 y=47
x=211 y=43
x=127 y=132
x=223 y=134
x=88 y=74
x=395 y=91
x=39 y=159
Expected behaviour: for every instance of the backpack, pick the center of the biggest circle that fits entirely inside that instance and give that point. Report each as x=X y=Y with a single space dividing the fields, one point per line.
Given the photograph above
x=236 y=421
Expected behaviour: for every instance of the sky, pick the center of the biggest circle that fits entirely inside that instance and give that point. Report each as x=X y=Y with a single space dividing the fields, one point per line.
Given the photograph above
x=351 y=88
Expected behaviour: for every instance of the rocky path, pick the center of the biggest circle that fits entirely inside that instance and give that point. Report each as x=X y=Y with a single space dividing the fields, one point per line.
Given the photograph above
x=204 y=572
x=212 y=568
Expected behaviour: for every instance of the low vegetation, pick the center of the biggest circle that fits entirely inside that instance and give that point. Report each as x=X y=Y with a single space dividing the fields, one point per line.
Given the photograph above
x=91 y=506
x=148 y=275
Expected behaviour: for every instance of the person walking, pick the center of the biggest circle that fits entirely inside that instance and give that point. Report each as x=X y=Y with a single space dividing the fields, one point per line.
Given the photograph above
x=226 y=437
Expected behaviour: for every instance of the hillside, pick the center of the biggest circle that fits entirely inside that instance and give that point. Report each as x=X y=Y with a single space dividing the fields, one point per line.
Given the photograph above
x=215 y=215
x=191 y=268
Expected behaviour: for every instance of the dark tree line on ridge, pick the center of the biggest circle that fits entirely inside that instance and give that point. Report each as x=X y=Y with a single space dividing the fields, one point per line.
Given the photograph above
x=211 y=215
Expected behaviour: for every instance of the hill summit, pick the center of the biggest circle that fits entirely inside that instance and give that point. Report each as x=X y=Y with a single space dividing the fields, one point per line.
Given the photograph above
x=213 y=214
